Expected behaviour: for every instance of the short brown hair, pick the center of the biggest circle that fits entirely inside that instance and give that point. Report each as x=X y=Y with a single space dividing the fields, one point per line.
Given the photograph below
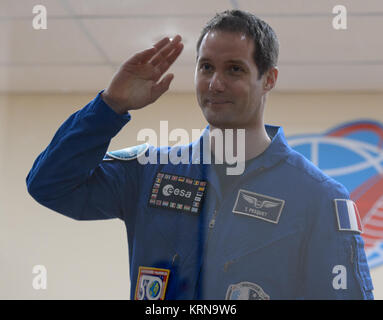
x=266 y=43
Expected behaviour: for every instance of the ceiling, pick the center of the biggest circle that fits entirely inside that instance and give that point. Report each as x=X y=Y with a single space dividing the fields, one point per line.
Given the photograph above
x=86 y=40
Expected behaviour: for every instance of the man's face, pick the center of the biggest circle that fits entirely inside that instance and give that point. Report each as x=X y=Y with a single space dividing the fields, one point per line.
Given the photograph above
x=226 y=78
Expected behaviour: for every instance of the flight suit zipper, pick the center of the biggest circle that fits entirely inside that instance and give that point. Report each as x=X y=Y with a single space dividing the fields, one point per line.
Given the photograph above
x=212 y=221
x=211 y=226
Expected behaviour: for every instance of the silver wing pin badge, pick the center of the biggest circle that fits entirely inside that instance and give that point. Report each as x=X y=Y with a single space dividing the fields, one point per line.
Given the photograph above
x=258 y=203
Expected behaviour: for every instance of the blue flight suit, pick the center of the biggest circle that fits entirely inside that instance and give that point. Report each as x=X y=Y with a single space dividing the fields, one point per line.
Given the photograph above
x=273 y=235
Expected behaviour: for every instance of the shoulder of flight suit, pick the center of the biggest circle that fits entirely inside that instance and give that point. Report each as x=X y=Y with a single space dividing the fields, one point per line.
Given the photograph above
x=306 y=167
x=334 y=262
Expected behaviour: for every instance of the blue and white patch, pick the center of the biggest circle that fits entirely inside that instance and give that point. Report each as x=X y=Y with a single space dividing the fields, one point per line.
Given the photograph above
x=127 y=153
x=347 y=215
x=246 y=291
x=258 y=206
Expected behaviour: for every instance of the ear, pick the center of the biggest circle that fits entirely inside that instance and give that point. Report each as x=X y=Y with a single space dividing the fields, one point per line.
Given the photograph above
x=270 y=79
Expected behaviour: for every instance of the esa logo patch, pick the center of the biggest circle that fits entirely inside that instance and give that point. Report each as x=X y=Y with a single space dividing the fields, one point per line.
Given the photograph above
x=177 y=192
x=151 y=283
x=258 y=206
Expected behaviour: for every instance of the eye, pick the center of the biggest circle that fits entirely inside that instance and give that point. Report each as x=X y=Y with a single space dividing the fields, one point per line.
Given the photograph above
x=236 y=69
x=205 y=67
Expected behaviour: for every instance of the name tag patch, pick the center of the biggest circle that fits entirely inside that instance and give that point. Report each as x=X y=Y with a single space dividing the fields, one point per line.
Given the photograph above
x=151 y=283
x=258 y=206
x=177 y=192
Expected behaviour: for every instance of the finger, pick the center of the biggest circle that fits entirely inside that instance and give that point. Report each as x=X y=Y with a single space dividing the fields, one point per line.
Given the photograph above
x=172 y=57
x=161 y=87
x=163 y=53
x=166 y=64
x=143 y=56
x=162 y=43
x=158 y=46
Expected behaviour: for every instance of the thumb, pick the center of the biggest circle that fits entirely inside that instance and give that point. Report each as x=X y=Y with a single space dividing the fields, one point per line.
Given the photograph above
x=161 y=87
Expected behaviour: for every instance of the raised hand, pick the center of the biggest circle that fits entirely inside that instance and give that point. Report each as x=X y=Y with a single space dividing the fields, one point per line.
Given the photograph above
x=137 y=82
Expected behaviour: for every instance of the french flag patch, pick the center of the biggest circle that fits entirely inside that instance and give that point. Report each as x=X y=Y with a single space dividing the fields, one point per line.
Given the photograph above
x=347 y=215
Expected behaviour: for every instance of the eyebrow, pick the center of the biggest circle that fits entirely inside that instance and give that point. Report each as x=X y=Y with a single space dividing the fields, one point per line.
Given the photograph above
x=233 y=61
x=203 y=59
x=237 y=62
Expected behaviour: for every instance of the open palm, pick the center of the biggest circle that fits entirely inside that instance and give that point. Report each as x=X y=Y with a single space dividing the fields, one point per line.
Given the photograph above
x=137 y=82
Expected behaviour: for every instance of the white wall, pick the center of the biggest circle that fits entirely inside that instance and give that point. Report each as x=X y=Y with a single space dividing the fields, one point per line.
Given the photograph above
x=89 y=260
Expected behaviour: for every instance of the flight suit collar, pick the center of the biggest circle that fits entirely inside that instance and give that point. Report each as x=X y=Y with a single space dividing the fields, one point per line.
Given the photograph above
x=274 y=153
x=277 y=150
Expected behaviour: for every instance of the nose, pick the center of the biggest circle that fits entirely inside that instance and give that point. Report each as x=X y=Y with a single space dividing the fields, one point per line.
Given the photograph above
x=216 y=83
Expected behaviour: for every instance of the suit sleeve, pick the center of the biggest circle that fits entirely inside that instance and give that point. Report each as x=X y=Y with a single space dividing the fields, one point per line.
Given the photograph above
x=335 y=264
x=70 y=176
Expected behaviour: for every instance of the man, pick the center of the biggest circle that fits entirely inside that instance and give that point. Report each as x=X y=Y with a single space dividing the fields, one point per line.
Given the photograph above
x=279 y=230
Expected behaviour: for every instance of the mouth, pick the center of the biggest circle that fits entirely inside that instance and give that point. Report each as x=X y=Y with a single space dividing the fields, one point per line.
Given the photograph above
x=217 y=102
